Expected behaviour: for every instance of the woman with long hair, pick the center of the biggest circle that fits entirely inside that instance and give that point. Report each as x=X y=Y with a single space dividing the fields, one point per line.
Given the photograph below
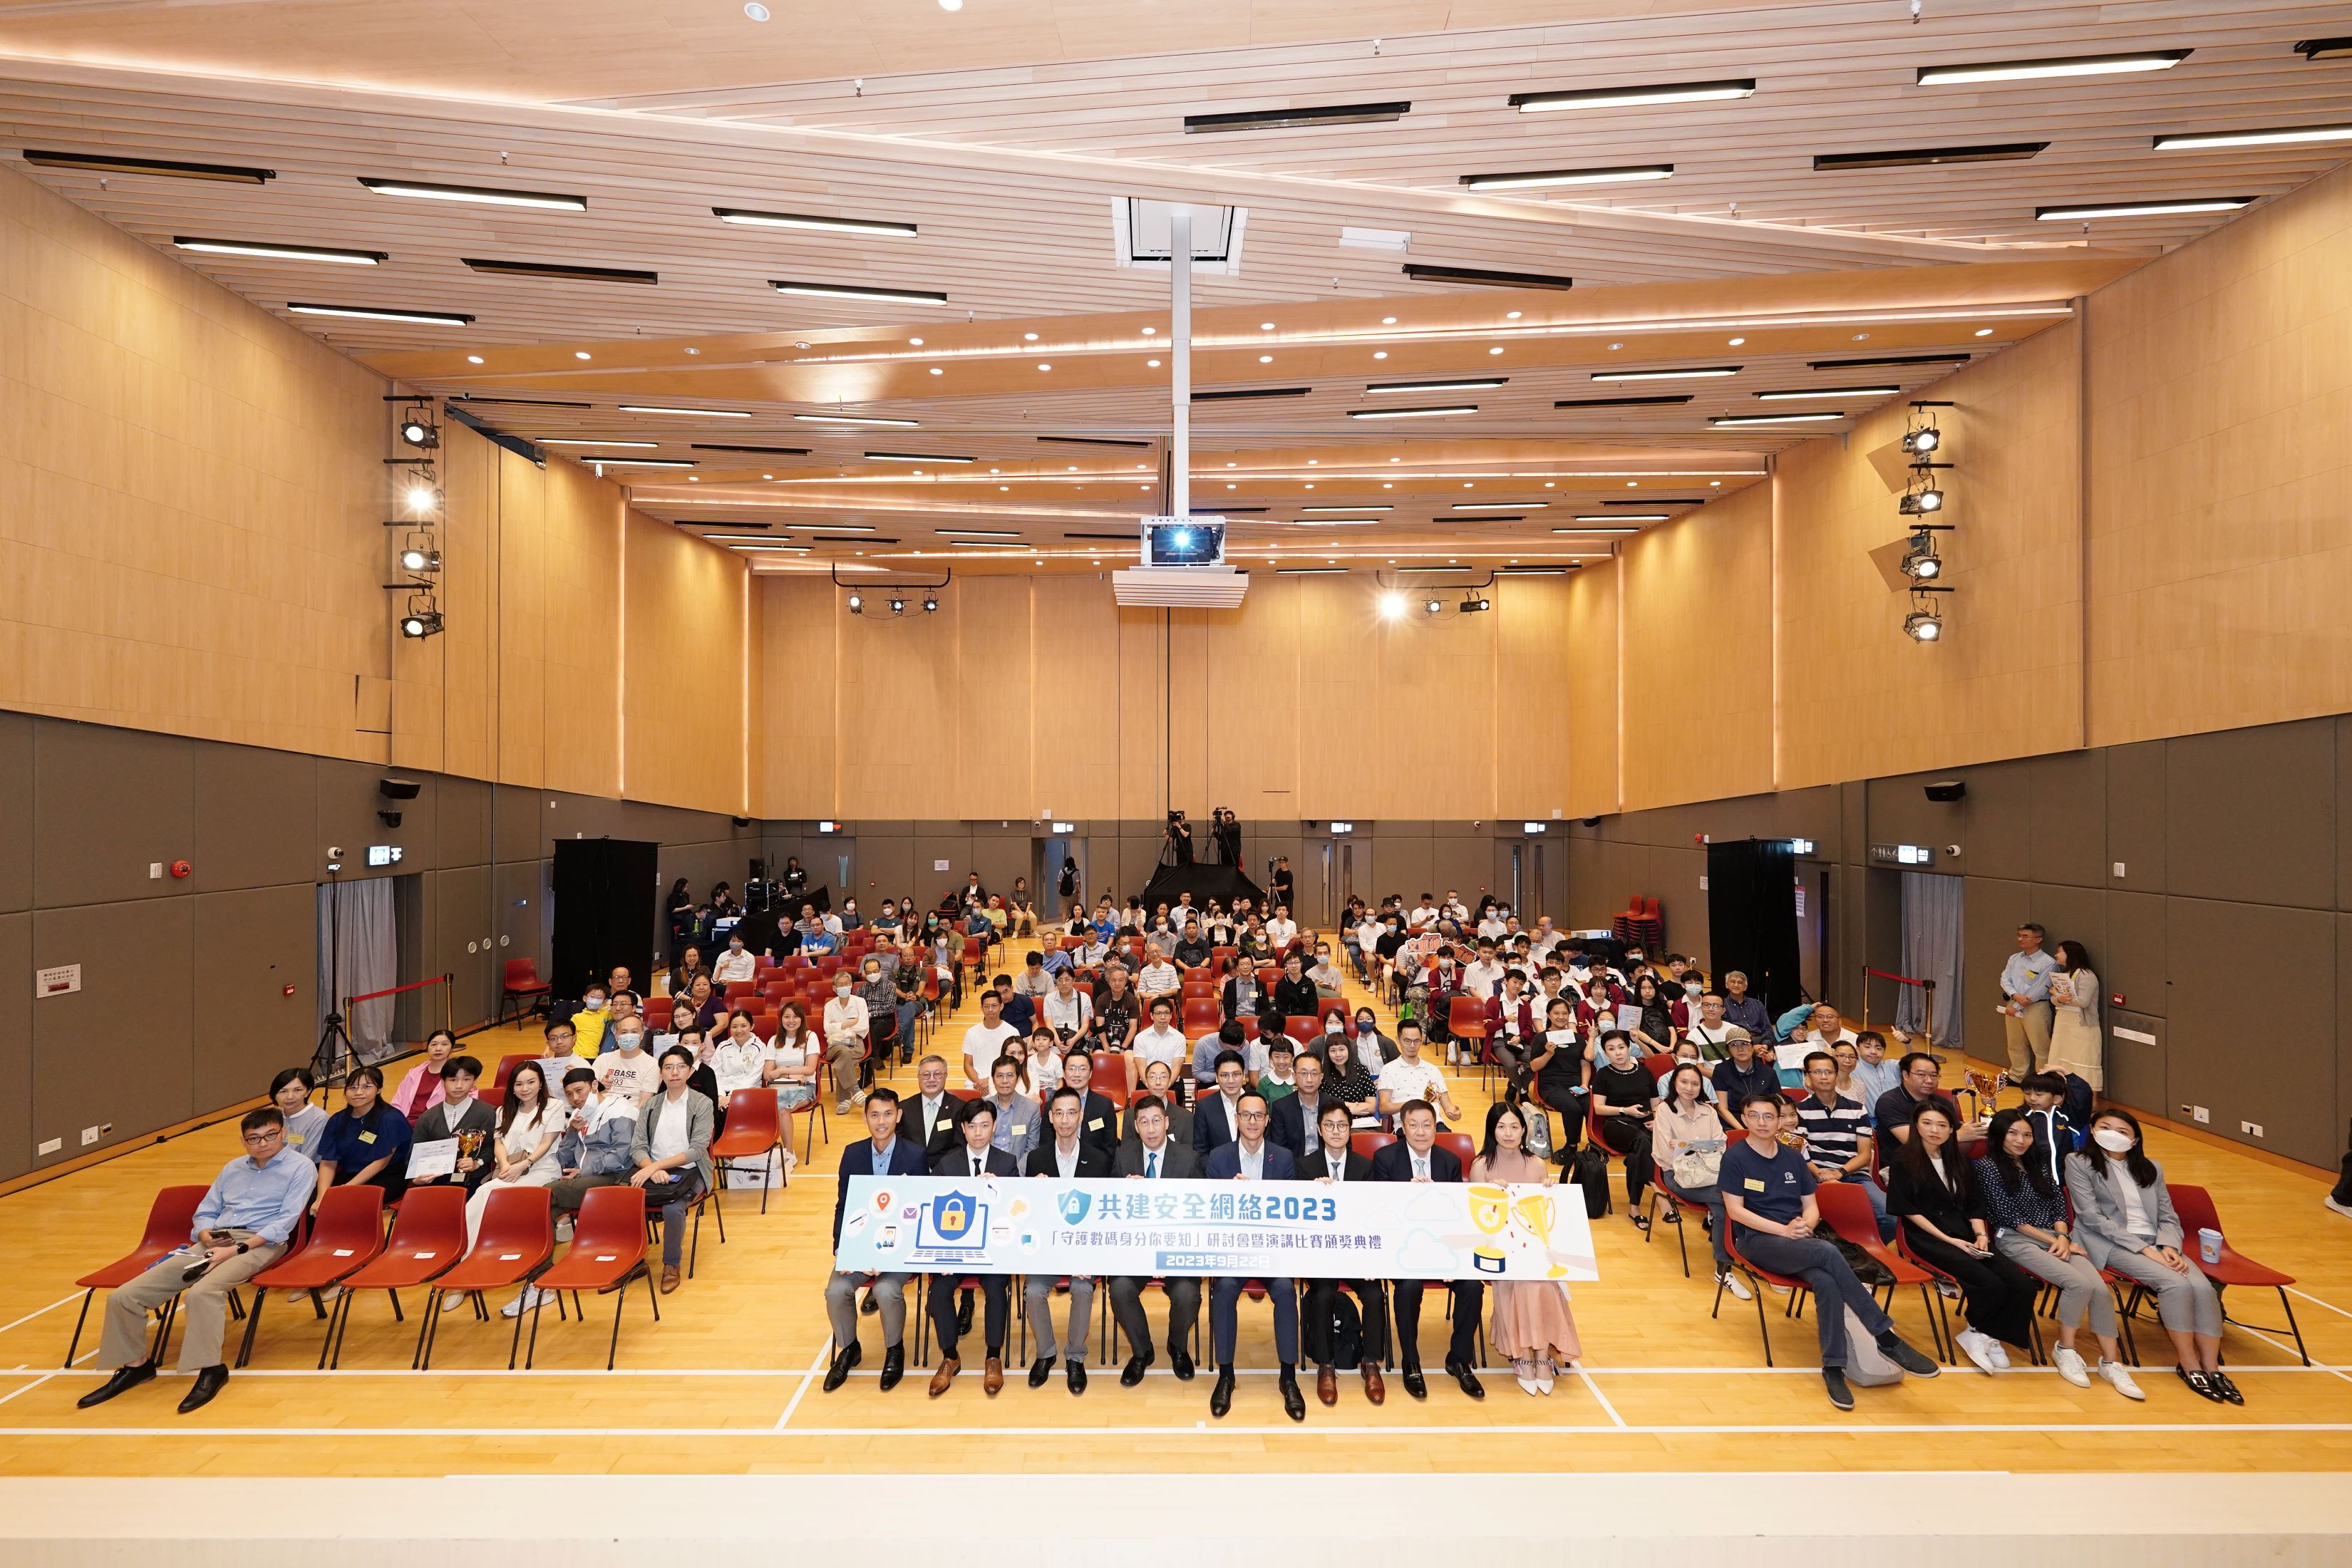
x=1932 y=1192
x=1349 y=1081
x=1530 y=1323
x=1687 y=1143
x=2030 y=1228
x=2076 y=1044
x=2124 y=1218
x=1651 y=1017
x=794 y=1057
x=530 y=1124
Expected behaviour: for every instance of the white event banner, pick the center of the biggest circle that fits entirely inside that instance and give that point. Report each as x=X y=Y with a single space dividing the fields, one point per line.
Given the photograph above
x=1367 y=1230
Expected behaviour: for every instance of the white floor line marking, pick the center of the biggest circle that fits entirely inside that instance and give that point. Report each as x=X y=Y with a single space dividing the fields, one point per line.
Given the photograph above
x=1220 y=1430
x=815 y=1366
x=68 y=1301
x=1586 y=1373
x=2290 y=1290
x=2316 y=1364
x=28 y=1389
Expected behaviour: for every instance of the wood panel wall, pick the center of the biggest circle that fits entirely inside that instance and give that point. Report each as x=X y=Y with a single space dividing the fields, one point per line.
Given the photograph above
x=690 y=654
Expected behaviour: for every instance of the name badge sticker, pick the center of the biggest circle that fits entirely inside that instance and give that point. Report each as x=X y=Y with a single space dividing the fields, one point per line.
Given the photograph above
x=1752 y=1184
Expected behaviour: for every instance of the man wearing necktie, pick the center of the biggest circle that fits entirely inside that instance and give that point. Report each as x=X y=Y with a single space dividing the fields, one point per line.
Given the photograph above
x=974 y=1158
x=1250 y=1158
x=1418 y=1159
x=1153 y=1157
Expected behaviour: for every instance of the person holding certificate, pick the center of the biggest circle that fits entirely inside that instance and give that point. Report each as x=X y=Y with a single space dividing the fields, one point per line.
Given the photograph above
x=452 y=1135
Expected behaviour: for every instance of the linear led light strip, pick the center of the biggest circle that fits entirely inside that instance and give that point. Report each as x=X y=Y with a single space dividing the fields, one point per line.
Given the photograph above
x=2280 y=137
x=687 y=412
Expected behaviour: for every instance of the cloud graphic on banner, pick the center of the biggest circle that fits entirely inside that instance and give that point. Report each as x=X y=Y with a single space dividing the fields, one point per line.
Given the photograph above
x=1423 y=1253
x=1434 y=1208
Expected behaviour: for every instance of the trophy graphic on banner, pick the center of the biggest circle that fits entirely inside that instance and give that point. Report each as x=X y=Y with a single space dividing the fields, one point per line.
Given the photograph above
x=1538 y=1212
x=1490 y=1211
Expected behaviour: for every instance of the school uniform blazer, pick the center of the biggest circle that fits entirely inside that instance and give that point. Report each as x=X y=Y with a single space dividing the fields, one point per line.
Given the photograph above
x=858 y=1160
x=2099 y=1221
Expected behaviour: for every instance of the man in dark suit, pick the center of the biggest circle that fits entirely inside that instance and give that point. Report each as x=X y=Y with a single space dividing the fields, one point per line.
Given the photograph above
x=1068 y=1156
x=880 y=1153
x=1097 y=1117
x=1216 y=1118
x=1250 y=1158
x=974 y=1157
x=1154 y=1156
x=930 y=1115
x=1418 y=1159
x=1291 y=1122
x=1335 y=1162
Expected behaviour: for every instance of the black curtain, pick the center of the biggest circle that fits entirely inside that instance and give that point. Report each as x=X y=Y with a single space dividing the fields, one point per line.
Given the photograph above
x=1751 y=917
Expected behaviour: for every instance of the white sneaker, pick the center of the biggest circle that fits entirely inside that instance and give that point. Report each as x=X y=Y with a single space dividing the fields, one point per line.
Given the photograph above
x=1947 y=1290
x=563 y=1229
x=1974 y=1346
x=531 y=1297
x=452 y=1299
x=792 y=1162
x=1730 y=1281
x=2069 y=1366
x=1999 y=1353
x=2118 y=1378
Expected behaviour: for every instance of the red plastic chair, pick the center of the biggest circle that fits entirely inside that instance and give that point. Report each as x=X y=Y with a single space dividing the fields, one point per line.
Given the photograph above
x=1465 y=1018
x=1464 y=1149
x=2194 y=1207
x=345 y=1236
x=496 y=1099
x=171 y=1219
x=608 y=1246
x=1845 y=1210
x=522 y=982
x=517 y=1234
x=1657 y=1064
x=1370 y=1143
x=428 y=1236
x=1330 y=1004
x=1203 y=1013
x=1795 y=1288
x=507 y=1064
x=753 y=1129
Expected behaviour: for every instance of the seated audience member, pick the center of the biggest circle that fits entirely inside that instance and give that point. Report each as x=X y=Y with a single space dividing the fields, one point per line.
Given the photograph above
x=2125 y=1220
x=929 y=1115
x=290 y=1091
x=1069 y=1013
x=1279 y=1078
x=1746 y=1072
x=1163 y=1042
x=530 y=1122
x=974 y=1156
x=1896 y=1110
x=1097 y=1117
x=681 y=973
x=1837 y=1136
x=1217 y=1118
x=1060 y=959
x=458 y=1114
x=880 y=995
x=1176 y=1116
x=1710 y=1030
x=1250 y=1158
x=1873 y=1072
x=709 y=1003
x=790 y=1065
x=1041 y=1066
x=816 y=938
x=1560 y=1069
x=734 y=965
x=1624 y=1102
x=671 y=1156
x=881 y=1153
x=2055 y=1136
x=1847 y=1054
x=563 y=1050
x=1333 y=1162
x=2026 y=1209
x=738 y=1059
x=987 y=1040
x=593 y=1152
x=1512 y=1025
x=1410 y=1078
x=1229 y=1036
x=1017 y=1010
x=1151 y=1154
x=1649 y=1017
x=1931 y=1191
x=1416 y=1157
x=1192 y=947
x=1329 y=981
x=1768 y=1194
x=846 y=1029
x=1295 y=996
x=907 y=977
x=1687 y=1143
x=1687 y=1054
x=1740 y=1008
x=241 y=1228
x=1069 y=1156
x=1119 y=1011
x=1348 y=1083
x=420 y=1086
x=1374 y=1050
x=1531 y=1324
x=366 y=1142
x=1293 y=1115
x=1159 y=977
x=1020 y=1119
x=595 y=1016
x=628 y=1070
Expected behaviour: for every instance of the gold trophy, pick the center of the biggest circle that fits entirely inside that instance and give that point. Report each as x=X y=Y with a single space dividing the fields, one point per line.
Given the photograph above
x=1985 y=1093
x=469 y=1144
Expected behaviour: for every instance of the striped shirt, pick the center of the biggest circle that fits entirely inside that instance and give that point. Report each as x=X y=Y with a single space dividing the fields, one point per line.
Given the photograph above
x=1832 y=1132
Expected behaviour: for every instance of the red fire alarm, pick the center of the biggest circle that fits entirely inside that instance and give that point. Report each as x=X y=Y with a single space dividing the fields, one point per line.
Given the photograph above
x=181 y=867
x=2117 y=1000
x=289 y=991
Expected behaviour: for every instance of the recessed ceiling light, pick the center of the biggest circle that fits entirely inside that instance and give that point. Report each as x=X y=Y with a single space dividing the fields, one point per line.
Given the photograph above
x=936 y=370
x=637 y=462
x=1412 y=413
x=1548 y=179
x=1028 y=337
x=1388 y=320
x=2141 y=209
x=1619 y=97
x=1737 y=342
x=809 y=221
x=913 y=458
x=857 y=292
x=278 y=252
x=166 y=168
x=473 y=359
x=855 y=420
x=570 y=441
x=1152 y=365
x=1660 y=517
x=689 y=412
x=1984 y=331
x=2031 y=70
x=488 y=195
x=1456 y=383
x=1283 y=119
x=1814 y=418
x=384 y=313
x=1266 y=326
x=580 y=354
x=1380 y=353
x=1042 y=365
x=1500 y=505
x=1150 y=332
x=1922 y=157
x=1693 y=373
x=1266 y=359
x=1511 y=315
x=757 y=12
x=1797 y=393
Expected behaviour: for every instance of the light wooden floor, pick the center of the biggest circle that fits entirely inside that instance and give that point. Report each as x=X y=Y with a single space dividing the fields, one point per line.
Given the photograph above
x=728 y=1381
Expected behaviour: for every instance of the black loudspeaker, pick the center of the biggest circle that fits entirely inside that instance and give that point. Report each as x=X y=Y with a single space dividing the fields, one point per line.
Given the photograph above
x=1947 y=789
x=605 y=893
x=397 y=789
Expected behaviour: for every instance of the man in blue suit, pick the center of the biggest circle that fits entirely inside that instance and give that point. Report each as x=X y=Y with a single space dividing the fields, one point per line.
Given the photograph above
x=1216 y=1118
x=882 y=1154
x=1250 y=1158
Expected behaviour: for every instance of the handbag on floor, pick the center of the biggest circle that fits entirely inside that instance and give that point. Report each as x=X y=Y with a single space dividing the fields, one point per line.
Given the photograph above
x=1866 y=1364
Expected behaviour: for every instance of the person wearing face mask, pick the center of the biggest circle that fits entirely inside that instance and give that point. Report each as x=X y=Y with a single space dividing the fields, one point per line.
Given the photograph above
x=590 y=1023
x=627 y=1071
x=2027 y=1212
x=847 y=1025
x=1329 y=981
x=736 y=963
x=2124 y=1218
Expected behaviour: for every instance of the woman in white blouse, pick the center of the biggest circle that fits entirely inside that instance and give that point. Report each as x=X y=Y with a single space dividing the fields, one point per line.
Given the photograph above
x=793 y=1061
x=2076 y=1042
x=529 y=1122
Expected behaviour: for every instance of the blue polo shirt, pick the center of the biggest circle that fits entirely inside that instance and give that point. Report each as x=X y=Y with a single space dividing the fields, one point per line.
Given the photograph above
x=354 y=1141
x=1772 y=1187
x=1734 y=1087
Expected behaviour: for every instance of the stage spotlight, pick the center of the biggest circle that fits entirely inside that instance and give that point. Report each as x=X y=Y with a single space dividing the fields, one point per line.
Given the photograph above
x=897 y=606
x=420 y=623
x=1923 y=626
x=930 y=603
x=1392 y=606
x=1922 y=441
x=1921 y=564
x=418 y=432
x=423 y=497
x=856 y=603
x=416 y=559
x=1472 y=606
x=1435 y=606
x=1919 y=503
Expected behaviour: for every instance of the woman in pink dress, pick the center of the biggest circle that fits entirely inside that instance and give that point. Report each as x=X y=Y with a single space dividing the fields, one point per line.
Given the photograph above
x=1531 y=1323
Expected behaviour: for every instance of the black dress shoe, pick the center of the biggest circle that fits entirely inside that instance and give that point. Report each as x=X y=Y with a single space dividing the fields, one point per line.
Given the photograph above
x=1076 y=1372
x=124 y=1380
x=1132 y=1373
x=964 y=1313
x=1468 y=1379
x=1412 y=1379
x=870 y=1305
x=209 y=1382
x=1221 y=1398
x=1039 y=1371
x=894 y=1367
x=1181 y=1364
x=1293 y=1403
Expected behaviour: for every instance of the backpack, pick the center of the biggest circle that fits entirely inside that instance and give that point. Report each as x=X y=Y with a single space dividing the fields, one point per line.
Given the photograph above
x=1590 y=1168
x=1345 y=1331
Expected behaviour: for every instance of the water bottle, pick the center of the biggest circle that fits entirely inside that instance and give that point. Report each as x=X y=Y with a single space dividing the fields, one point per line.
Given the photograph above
x=2208 y=1245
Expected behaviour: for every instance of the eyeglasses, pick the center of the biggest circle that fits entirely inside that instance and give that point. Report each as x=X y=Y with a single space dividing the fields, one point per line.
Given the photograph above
x=257 y=1139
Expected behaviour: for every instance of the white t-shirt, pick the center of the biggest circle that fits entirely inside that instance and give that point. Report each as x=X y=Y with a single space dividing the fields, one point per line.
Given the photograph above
x=635 y=1077
x=784 y=1054
x=1491 y=927
x=1480 y=980
x=734 y=964
x=1401 y=1080
x=1157 y=1044
x=1071 y=1015
x=845 y=1017
x=1457 y=909
x=669 y=1131
x=1279 y=931
x=983 y=1046
x=1422 y=918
